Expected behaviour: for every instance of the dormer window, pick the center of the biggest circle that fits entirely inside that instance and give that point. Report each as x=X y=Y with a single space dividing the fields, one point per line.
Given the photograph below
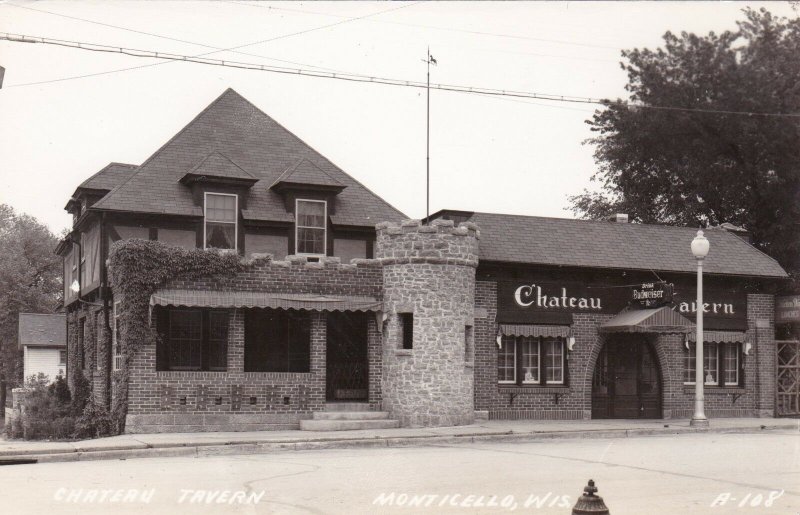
x=310 y=226
x=221 y=220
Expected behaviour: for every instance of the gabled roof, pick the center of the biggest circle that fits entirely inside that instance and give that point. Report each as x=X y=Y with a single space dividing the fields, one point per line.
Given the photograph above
x=306 y=173
x=109 y=177
x=218 y=166
x=627 y=246
x=255 y=142
x=42 y=330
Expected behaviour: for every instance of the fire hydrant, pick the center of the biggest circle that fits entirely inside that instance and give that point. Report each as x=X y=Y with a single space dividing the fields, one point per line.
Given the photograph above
x=590 y=503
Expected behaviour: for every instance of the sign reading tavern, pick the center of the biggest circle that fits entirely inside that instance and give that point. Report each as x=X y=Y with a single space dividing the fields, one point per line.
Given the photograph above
x=554 y=303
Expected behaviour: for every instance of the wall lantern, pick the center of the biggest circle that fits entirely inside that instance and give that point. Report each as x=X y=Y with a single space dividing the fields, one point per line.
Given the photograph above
x=75 y=287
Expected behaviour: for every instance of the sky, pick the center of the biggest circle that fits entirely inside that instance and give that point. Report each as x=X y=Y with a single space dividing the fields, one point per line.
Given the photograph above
x=65 y=113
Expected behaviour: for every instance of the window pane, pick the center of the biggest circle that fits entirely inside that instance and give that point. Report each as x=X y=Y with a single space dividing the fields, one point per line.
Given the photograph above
x=220 y=208
x=218 y=340
x=555 y=360
x=731 y=364
x=220 y=236
x=185 y=337
x=310 y=241
x=310 y=214
x=710 y=362
x=530 y=360
x=506 y=361
x=277 y=341
x=689 y=362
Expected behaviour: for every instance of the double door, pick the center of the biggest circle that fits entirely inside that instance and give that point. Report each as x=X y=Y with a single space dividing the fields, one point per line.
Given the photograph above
x=626 y=381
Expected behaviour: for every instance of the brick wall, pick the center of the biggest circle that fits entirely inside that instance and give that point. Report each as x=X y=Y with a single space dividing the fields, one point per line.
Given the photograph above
x=237 y=400
x=754 y=398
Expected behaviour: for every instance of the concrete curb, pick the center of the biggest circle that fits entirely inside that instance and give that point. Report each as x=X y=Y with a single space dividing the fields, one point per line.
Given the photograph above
x=85 y=452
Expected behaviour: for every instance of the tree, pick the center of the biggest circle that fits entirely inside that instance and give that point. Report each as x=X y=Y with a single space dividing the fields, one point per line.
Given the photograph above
x=698 y=165
x=30 y=281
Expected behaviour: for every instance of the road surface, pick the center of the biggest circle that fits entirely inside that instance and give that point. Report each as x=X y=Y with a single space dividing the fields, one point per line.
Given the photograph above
x=687 y=474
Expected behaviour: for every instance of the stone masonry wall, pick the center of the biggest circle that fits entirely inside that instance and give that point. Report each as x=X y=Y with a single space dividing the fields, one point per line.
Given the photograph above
x=429 y=271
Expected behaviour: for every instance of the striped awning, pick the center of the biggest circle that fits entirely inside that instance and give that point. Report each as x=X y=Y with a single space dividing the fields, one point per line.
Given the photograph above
x=547 y=331
x=720 y=336
x=652 y=320
x=254 y=299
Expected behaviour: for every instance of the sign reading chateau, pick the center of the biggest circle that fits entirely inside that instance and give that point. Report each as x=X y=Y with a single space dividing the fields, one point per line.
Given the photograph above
x=545 y=302
x=528 y=295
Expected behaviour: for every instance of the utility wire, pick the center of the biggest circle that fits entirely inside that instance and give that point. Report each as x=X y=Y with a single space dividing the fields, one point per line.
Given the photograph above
x=187 y=58
x=162 y=36
x=168 y=57
x=435 y=27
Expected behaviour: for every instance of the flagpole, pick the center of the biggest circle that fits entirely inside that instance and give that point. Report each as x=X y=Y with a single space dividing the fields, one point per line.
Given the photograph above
x=430 y=60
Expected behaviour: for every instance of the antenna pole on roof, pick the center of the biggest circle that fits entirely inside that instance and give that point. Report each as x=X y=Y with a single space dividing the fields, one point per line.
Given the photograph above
x=430 y=60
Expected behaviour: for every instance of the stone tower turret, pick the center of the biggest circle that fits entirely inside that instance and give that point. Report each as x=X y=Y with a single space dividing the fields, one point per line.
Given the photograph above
x=429 y=298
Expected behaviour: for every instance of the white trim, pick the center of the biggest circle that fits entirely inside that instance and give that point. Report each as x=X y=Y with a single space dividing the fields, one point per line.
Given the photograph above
x=115 y=354
x=514 y=368
x=324 y=228
x=547 y=367
x=235 y=218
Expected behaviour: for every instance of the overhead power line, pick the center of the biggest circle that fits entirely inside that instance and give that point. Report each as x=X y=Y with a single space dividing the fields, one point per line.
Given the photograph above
x=169 y=57
x=230 y=49
x=162 y=36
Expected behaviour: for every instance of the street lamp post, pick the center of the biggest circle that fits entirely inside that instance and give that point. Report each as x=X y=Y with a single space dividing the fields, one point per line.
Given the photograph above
x=700 y=247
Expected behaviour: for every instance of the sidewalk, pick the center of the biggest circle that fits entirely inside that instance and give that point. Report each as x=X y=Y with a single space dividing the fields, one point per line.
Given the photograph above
x=257 y=442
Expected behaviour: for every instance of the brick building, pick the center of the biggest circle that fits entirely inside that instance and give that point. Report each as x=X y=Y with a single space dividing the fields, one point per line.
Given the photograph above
x=348 y=315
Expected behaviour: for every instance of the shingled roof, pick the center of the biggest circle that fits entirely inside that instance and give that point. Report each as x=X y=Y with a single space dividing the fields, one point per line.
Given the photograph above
x=42 y=330
x=306 y=172
x=219 y=166
x=109 y=177
x=258 y=144
x=628 y=246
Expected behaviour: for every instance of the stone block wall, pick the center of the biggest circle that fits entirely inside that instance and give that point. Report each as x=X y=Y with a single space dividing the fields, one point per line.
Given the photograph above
x=429 y=272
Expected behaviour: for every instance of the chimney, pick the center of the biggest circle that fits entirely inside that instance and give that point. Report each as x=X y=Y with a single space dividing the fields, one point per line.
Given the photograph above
x=620 y=218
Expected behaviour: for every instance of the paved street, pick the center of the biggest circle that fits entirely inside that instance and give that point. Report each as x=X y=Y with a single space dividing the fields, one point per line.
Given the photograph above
x=736 y=473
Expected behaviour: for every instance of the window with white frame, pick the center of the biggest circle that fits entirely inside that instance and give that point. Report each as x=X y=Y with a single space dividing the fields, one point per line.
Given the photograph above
x=115 y=338
x=721 y=364
x=529 y=360
x=221 y=220
x=310 y=226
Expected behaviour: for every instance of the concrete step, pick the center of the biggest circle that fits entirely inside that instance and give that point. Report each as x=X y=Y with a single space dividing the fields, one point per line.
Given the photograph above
x=347 y=406
x=351 y=415
x=346 y=425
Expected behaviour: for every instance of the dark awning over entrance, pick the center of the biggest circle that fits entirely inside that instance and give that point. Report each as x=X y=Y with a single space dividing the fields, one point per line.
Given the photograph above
x=653 y=320
x=253 y=299
x=552 y=331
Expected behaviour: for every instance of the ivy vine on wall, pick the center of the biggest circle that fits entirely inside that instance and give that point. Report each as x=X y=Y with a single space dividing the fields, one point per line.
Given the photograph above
x=137 y=268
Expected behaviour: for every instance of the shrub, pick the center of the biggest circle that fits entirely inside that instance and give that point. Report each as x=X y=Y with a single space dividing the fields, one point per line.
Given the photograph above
x=95 y=422
x=51 y=411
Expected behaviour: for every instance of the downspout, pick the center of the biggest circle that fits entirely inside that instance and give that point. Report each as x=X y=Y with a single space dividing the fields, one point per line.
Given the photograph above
x=104 y=291
x=80 y=283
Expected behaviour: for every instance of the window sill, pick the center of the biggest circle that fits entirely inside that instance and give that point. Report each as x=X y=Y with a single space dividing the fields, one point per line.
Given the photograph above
x=716 y=390
x=469 y=364
x=533 y=389
x=403 y=352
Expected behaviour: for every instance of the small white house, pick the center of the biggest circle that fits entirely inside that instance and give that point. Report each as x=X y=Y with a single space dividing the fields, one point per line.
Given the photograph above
x=43 y=339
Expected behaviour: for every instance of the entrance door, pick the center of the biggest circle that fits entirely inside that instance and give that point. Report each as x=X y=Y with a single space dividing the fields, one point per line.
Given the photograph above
x=346 y=359
x=626 y=381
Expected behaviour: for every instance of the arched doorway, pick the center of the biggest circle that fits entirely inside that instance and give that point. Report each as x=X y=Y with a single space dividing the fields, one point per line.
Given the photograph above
x=626 y=381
